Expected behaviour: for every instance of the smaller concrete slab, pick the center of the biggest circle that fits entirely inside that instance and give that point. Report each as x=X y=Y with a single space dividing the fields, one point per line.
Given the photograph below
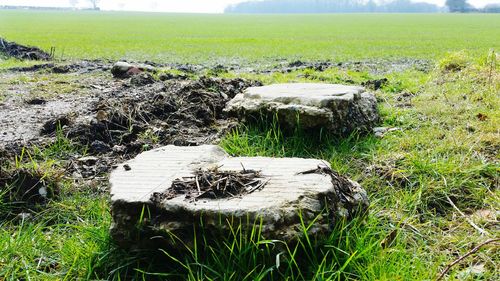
x=339 y=108
x=287 y=195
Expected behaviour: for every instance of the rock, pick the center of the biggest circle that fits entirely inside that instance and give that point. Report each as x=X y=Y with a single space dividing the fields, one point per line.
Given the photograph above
x=119 y=69
x=124 y=69
x=338 y=108
x=147 y=68
x=287 y=195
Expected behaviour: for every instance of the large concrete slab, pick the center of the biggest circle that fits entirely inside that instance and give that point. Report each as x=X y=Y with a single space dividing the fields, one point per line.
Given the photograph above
x=340 y=109
x=278 y=204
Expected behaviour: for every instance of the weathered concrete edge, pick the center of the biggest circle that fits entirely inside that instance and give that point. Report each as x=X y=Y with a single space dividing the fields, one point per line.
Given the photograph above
x=363 y=104
x=151 y=226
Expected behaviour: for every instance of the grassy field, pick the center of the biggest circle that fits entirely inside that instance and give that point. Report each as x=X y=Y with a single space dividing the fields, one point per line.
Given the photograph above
x=446 y=148
x=249 y=38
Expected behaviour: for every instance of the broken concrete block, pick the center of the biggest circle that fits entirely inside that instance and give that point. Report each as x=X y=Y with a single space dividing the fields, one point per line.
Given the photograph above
x=123 y=69
x=292 y=189
x=338 y=108
x=120 y=69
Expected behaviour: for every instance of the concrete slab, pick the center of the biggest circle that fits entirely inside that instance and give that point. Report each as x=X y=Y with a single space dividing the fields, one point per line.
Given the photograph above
x=286 y=195
x=339 y=108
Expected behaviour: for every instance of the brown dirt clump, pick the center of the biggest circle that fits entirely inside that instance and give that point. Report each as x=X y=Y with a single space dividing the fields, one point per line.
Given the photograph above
x=172 y=112
x=122 y=115
x=14 y=50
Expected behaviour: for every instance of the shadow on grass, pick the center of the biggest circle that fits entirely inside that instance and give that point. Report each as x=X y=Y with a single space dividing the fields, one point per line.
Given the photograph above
x=239 y=254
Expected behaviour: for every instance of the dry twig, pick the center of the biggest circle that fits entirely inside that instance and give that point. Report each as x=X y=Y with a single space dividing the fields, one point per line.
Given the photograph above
x=214 y=184
x=449 y=266
x=482 y=231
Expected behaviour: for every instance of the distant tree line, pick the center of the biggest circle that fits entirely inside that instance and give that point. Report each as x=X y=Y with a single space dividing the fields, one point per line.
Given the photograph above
x=462 y=6
x=459 y=6
x=491 y=8
x=353 y=6
x=331 y=6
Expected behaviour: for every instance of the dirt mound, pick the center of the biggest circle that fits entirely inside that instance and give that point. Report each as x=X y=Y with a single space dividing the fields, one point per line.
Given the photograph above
x=114 y=118
x=174 y=112
x=12 y=49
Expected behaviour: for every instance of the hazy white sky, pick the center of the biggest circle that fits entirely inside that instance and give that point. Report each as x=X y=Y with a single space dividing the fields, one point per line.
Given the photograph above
x=185 y=6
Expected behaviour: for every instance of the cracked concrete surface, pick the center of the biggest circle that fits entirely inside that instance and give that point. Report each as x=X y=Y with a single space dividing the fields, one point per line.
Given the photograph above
x=287 y=197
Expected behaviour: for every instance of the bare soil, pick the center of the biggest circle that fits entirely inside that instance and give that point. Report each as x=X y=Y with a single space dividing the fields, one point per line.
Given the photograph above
x=114 y=118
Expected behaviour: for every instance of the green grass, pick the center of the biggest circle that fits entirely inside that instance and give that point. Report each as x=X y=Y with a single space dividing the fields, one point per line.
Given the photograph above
x=447 y=148
x=250 y=38
x=43 y=83
x=11 y=63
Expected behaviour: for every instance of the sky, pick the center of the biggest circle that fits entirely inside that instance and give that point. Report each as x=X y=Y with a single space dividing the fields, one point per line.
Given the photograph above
x=176 y=6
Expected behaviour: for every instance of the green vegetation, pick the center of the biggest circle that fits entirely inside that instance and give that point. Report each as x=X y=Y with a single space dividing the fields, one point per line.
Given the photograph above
x=42 y=84
x=250 y=38
x=446 y=148
x=10 y=63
